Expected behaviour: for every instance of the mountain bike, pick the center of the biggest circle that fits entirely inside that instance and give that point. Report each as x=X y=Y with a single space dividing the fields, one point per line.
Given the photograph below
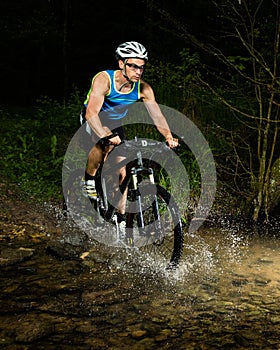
x=153 y=222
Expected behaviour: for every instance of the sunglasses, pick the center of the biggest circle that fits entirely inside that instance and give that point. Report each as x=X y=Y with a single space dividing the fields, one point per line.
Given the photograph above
x=134 y=66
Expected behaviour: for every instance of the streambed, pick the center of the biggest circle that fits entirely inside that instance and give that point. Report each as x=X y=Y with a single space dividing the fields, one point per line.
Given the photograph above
x=62 y=293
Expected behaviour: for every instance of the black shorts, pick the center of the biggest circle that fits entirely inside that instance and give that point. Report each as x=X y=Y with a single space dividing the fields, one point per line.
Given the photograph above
x=114 y=126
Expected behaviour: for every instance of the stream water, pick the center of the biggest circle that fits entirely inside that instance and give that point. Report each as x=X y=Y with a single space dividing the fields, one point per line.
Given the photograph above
x=65 y=293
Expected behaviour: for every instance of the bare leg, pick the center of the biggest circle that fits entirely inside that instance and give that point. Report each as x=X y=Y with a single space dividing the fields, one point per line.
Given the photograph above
x=96 y=156
x=122 y=173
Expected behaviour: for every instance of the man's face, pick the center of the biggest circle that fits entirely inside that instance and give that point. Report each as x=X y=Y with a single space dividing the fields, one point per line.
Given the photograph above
x=134 y=68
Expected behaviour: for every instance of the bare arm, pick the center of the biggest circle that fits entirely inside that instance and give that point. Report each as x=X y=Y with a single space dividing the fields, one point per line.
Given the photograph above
x=155 y=113
x=100 y=87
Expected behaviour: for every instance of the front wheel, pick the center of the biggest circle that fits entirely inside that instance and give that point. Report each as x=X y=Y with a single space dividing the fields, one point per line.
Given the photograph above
x=157 y=228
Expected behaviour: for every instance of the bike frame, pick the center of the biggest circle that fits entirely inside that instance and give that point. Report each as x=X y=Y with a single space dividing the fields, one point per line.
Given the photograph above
x=132 y=176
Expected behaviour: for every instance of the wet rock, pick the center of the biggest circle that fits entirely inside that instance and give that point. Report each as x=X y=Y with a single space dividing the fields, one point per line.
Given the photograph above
x=254 y=294
x=10 y=256
x=86 y=327
x=268 y=301
x=239 y=282
x=31 y=329
x=73 y=236
x=98 y=257
x=249 y=335
x=163 y=335
x=146 y=343
x=101 y=298
x=254 y=315
x=65 y=251
x=261 y=282
x=138 y=334
x=275 y=320
x=7 y=343
x=265 y=260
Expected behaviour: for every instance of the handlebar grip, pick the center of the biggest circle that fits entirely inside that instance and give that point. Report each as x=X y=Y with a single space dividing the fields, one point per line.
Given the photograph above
x=174 y=148
x=105 y=141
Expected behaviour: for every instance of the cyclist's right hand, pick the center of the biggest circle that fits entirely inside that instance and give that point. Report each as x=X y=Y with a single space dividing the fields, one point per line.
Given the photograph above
x=114 y=140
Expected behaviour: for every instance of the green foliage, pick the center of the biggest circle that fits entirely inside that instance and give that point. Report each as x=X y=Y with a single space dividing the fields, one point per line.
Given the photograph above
x=172 y=83
x=34 y=146
x=238 y=61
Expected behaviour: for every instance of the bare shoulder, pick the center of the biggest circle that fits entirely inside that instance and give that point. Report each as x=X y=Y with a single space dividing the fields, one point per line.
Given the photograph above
x=101 y=82
x=146 y=90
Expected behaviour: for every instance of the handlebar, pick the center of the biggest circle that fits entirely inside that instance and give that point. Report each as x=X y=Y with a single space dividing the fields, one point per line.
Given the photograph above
x=149 y=148
x=137 y=144
x=139 y=149
x=144 y=144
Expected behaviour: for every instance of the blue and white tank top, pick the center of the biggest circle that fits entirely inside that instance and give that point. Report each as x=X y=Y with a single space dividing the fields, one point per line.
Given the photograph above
x=116 y=103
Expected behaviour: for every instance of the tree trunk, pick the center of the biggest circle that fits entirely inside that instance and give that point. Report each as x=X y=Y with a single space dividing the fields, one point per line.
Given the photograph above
x=66 y=8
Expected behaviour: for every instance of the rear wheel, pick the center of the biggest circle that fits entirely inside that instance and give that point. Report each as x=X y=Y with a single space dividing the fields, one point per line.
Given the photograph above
x=94 y=216
x=78 y=206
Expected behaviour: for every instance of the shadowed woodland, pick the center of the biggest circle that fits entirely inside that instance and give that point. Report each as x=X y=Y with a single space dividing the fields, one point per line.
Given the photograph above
x=215 y=61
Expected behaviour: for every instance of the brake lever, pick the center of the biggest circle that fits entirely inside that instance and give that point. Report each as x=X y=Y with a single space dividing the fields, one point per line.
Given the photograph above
x=105 y=141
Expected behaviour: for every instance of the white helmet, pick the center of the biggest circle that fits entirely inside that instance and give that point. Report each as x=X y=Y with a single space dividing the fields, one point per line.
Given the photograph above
x=131 y=49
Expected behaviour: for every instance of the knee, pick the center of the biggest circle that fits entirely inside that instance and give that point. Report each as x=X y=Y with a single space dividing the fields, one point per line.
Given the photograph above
x=122 y=174
x=96 y=154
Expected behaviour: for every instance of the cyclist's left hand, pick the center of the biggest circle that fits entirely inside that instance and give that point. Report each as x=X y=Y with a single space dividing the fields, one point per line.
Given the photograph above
x=172 y=142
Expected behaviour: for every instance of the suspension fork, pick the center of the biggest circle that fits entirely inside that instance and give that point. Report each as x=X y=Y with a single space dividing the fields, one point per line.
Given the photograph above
x=155 y=202
x=104 y=191
x=140 y=219
x=155 y=206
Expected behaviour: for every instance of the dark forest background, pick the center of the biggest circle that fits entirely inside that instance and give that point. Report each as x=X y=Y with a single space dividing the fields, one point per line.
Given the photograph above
x=215 y=61
x=49 y=46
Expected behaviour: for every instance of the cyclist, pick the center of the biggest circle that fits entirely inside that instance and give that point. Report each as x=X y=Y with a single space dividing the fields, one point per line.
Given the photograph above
x=111 y=92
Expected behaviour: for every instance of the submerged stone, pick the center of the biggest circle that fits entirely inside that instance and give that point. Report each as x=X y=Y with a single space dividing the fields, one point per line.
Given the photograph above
x=11 y=256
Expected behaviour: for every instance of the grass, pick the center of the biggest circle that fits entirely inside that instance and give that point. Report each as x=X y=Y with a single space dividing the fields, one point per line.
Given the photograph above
x=34 y=142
